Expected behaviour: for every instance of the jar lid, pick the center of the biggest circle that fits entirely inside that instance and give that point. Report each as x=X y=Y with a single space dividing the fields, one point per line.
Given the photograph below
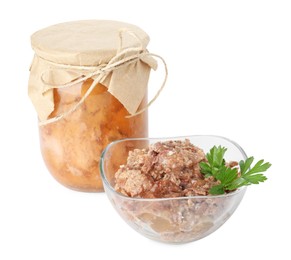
x=85 y=43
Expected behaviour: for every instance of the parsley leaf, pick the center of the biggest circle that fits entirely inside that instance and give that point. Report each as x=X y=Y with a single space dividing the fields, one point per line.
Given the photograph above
x=250 y=175
x=231 y=178
x=215 y=161
x=215 y=156
x=217 y=190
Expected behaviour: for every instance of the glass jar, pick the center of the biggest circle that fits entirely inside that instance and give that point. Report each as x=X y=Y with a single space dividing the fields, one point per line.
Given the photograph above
x=71 y=147
x=71 y=144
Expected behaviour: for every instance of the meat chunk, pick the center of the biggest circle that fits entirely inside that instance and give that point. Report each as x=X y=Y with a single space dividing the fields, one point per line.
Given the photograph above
x=132 y=182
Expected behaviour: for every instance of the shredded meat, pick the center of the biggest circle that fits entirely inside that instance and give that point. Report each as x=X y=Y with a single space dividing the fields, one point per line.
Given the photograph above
x=165 y=169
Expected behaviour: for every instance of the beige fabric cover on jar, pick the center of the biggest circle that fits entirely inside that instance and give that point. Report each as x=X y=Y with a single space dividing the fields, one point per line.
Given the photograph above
x=85 y=79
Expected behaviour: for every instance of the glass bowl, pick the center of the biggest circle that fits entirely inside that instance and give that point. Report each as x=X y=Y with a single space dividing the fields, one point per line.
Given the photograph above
x=171 y=220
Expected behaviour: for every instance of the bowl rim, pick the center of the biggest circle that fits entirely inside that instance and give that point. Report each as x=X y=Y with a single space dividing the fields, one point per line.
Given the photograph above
x=107 y=185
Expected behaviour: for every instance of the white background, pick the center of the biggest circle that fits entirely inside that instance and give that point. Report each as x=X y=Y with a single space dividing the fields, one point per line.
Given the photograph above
x=229 y=74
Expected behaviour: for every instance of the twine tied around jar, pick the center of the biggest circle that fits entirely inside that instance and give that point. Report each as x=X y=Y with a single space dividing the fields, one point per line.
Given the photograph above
x=123 y=58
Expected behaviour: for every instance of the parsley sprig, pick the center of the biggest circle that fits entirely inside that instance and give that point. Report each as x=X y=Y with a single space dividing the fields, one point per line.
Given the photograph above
x=231 y=178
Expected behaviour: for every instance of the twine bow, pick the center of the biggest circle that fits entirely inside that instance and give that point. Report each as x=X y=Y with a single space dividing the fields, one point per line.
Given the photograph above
x=123 y=58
